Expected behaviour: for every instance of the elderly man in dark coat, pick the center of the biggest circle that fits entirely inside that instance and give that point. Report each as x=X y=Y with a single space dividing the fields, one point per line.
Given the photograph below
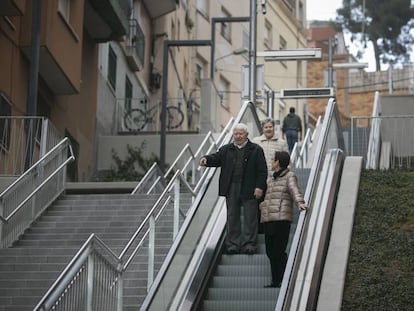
x=243 y=183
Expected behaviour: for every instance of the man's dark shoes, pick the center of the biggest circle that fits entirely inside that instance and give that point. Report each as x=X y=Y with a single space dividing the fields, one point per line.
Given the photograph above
x=250 y=250
x=275 y=285
x=232 y=251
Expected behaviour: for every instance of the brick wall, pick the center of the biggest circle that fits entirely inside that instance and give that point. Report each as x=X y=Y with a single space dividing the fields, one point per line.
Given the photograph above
x=355 y=96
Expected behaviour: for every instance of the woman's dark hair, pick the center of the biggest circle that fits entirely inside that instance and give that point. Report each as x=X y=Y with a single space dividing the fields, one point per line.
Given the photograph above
x=283 y=157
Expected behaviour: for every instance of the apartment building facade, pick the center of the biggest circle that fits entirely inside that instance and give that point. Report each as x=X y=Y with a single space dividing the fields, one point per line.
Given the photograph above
x=101 y=65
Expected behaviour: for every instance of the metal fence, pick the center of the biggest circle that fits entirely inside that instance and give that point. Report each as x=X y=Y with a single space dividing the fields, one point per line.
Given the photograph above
x=140 y=115
x=30 y=194
x=183 y=178
x=385 y=142
x=23 y=141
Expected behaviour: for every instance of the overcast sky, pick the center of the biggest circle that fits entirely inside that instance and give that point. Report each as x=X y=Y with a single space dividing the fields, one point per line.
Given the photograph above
x=326 y=10
x=322 y=9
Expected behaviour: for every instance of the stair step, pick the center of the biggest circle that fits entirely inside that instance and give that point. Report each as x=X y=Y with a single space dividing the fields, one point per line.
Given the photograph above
x=38 y=283
x=28 y=269
x=5 y=259
x=47 y=266
x=93 y=218
x=20 y=300
x=32 y=291
x=92 y=213
x=28 y=275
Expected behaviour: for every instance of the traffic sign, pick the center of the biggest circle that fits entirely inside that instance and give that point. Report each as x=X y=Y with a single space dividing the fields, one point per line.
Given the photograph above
x=307 y=93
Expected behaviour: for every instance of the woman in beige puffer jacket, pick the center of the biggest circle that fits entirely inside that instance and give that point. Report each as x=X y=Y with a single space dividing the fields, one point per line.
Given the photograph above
x=276 y=213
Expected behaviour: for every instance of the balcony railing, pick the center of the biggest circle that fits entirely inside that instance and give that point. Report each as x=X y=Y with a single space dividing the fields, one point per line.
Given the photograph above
x=140 y=115
x=135 y=46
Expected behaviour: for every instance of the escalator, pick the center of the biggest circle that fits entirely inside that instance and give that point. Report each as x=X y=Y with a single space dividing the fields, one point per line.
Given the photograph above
x=210 y=280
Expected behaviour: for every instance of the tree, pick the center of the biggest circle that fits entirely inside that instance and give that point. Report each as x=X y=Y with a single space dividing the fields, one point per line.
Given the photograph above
x=388 y=24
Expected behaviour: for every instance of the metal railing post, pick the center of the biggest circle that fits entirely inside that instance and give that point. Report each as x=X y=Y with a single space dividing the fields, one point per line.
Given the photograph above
x=89 y=295
x=120 y=292
x=176 y=207
x=151 y=251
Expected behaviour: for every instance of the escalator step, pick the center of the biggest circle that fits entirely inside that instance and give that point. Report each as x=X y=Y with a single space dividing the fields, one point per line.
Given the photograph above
x=249 y=294
x=243 y=270
x=237 y=305
x=240 y=282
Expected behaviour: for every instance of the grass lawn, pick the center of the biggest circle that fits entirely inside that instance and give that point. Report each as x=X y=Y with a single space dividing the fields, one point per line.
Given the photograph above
x=380 y=273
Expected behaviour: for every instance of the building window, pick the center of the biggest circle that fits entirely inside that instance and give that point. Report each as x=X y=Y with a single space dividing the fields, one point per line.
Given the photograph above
x=128 y=94
x=267 y=35
x=225 y=29
x=200 y=71
x=246 y=40
x=112 y=68
x=282 y=46
x=64 y=8
x=137 y=39
x=202 y=7
x=5 y=111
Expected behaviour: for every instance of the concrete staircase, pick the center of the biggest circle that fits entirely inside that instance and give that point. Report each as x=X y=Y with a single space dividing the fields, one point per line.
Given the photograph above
x=30 y=267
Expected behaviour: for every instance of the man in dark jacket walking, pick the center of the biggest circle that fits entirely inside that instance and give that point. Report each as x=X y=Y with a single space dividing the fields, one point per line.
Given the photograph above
x=292 y=128
x=243 y=182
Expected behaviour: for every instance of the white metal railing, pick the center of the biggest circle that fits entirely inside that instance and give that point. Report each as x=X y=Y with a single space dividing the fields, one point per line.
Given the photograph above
x=24 y=140
x=183 y=173
x=301 y=156
x=187 y=178
x=310 y=264
x=384 y=142
x=29 y=195
x=330 y=137
x=374 y=142
x=161 y=294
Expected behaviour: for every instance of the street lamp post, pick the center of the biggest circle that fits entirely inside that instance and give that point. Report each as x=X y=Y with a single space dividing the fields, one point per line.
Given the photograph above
x=239 y=51
x=252 y=51
x=167 y=44
x=214 y=21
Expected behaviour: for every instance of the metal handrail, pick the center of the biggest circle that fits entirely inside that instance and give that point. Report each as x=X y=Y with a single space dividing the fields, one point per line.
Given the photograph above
x=374 y=141
x=193 y=157
x=295 y=253
x=52 y=294
x=145 y=177
x=8 y=200
x=226 y=137
x=139 y=229
x=34 y=166
x=6 y=220
x=163 y=201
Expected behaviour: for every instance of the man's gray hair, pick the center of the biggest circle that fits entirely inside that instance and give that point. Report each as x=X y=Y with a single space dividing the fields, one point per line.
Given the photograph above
x=241 y=126
x=268 y=120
